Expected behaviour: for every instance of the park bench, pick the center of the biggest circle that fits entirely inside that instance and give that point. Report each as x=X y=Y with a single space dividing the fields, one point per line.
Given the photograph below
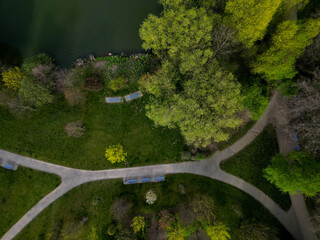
x=133 y=96
x=143 y=179
x=114 y=99
x=9 y=165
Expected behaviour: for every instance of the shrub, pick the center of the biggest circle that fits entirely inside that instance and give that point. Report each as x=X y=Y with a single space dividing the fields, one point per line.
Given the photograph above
x=32 y=62
x=138 y=224
x=218 y=231
x=115 y=154
x=34 y=94
x=120 y=209
x=12 y=78
x=74 y=129
x=166 y=219
x=203 y=208
x=112 y=230
x=117 y=84
x=5 y=96
x=93 y=83
x=74 y=96
x=253 y=231
x=289 y=88
x=254 y=101
x=151 y=197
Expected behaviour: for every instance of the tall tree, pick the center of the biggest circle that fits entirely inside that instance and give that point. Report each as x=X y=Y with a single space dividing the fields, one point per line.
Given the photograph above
x=299 y=171
x=180 y=34
x=251 y=18
x=204 y=106
x=288 y=43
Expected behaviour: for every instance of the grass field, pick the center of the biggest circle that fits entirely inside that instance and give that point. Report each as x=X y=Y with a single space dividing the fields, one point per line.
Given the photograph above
x=19 y=191
x=250 y=162
x=92 y=201
x=42 y=135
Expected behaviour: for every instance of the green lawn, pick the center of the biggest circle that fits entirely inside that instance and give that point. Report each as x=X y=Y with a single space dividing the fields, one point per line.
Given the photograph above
x=236 y=135
x=19 y=191
x=250 y=162
x=42 y=135
x=93 y=201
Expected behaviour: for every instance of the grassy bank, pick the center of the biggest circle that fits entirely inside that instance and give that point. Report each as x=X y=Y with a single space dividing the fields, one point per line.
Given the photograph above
x=19 y=191
x=250 y=162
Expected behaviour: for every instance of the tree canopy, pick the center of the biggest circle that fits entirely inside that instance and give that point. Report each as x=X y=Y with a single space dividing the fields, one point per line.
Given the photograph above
x=251 y=18
x=288 y=43
x=191 y=90
x=299 y=171
x=218 y=231
x=203 y=106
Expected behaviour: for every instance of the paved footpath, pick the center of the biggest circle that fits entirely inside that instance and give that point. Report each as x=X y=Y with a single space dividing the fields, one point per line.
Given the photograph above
x=71 y=178
x=278 y=117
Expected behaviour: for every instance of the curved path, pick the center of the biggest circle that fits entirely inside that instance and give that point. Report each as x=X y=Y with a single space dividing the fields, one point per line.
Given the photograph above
x=70 y=178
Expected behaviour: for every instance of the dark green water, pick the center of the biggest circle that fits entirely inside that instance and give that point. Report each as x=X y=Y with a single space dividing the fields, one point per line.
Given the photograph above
x=68 y=29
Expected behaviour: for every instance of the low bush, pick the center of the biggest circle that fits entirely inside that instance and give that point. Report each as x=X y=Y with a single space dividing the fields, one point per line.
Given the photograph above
x=33 y=94
x=41 y=59
x=74 y=129
x=74 y=96
x=12 y=78
x=112 y=230
x=93 y=83
x=117 y=84
x=254 y=101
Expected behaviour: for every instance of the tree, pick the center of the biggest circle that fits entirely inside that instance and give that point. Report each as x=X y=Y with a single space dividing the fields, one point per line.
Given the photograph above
x=298 y=171
x=203 y=208
x=251 y=18
x=34 y=94
x=93 y=235
x=12 y=78
x=181 y=34
x=218 y=231
x=151 y=197
x=203 y=107
x=190 y=90
x=254 y=231
x=120 y=209
x=138 y=224
x=115 y=154
x=304 y=111
x=179 y=232
x=288 y=43
x=166 y=219
x=254 y=100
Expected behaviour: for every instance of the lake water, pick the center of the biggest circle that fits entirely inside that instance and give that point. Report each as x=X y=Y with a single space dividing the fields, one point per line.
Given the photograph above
x=69 y=29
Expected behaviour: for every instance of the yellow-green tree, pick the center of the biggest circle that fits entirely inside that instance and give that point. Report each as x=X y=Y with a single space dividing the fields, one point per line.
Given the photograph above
x=218 y=231
x=93 y=235
x=115 y=154
x=12 y=78
x=138 y=224
x=251 y=18
x=288 y=43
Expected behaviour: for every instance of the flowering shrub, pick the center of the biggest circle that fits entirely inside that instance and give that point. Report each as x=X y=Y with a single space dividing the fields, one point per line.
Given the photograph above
x=151 y=197
x=138 y=224
x=115 y=154
x=12 y=78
